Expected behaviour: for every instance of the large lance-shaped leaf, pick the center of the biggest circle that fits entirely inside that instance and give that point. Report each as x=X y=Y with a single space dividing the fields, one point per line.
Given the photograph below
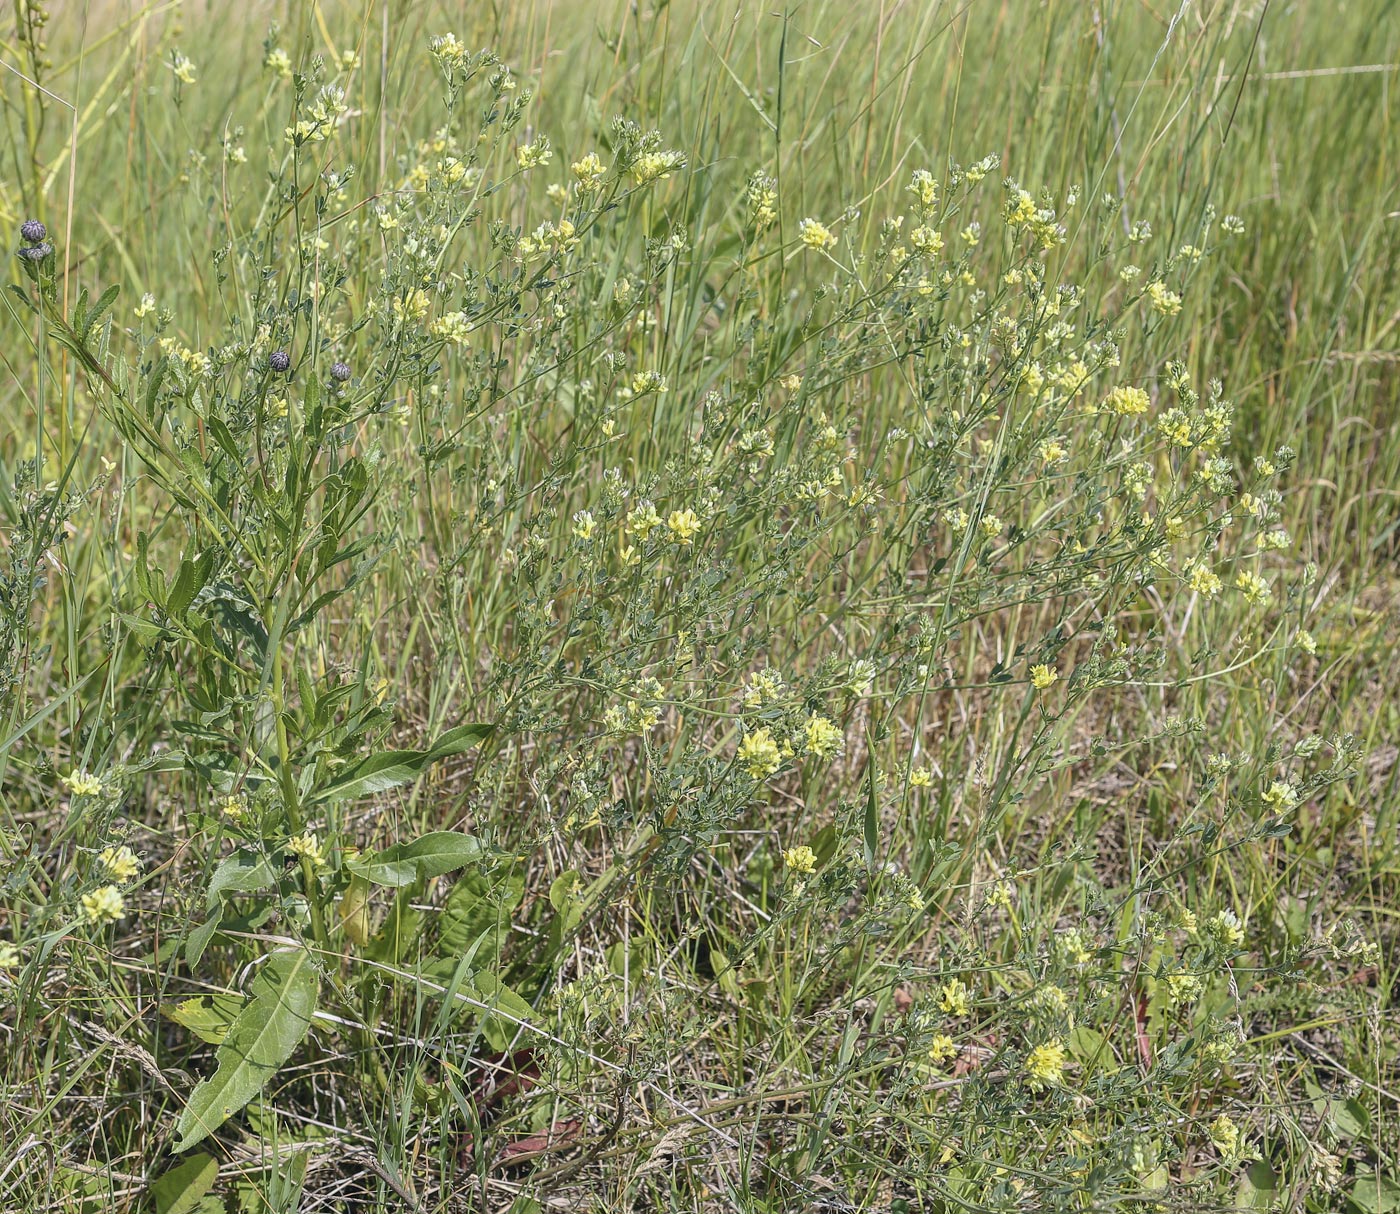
x=180 y=1190
x=441 y=851
x=395 y=767
x=282 y=999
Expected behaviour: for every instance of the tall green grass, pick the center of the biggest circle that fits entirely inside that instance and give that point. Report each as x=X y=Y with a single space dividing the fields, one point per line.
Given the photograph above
x=611 y=976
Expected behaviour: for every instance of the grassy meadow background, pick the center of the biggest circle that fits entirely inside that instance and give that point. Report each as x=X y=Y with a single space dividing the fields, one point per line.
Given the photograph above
x=861 y=755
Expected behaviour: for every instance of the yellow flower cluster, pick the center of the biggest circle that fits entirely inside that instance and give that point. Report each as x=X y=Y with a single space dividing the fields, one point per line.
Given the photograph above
x=816 y=235
x=1126 y=402
x=120 y=862
x=684 y=525
x=954 y=998
x=104 y=905
x=823 y=737
x=800 y=859
x=656 y=166
x=309 y=847
x=452 y=327
x=759 y=754
x=1045 y=1065
x=81 y=784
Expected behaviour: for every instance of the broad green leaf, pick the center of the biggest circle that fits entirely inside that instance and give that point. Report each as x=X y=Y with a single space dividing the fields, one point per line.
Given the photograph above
x=1258 y=1187
x=189 y=581
x=198 y=939
x=180 y=1190
x=1375 y=1193
x=282 y=999
x=499 y=1030
x=208 y=1017
x=440 y=852
x=1350 y=1119
x=395 y=767
x=1089 y=1046
x=240 y=873
x=355 y=918
x=479 y=904
x=568 y=909
x=105 y=301
x=399 y=929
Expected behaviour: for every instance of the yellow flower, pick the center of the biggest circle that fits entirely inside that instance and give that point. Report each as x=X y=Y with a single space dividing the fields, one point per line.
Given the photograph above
x=1305 y=639
x=183 y=68
x=926 y=240
x=1226 y=929
x=279 y=63
x=815 y=235
x=1256 y=589
x=447 y=49
x=1203 y=581
x=452 y=327
x=1020 y=208
x=800 y=859
x=1175 y=427
x=992 y=526
x=920 y=777
x=1167 y=303
x=1075 y=946
x=309 y=847
x=684 y=525
x=759 y=753
x=642 y=519
x=953 y=998
x=1042 y=676
x=1126 y=401
x=656 y=166
x=1045 y=1065
x=104 y=905
x=450 y=170
x=1281 y=795
x=80 y=784
x=765 y=687
x=924 y=186
x=412 y=307
x=1225 y=1134
x=584 y=524
x=589 y=170
x=537 y=152
x=941 y=1048
x=1050 y=1000
x=648 y=381
x=1183 y=988
x=823 y=737
x=121 y=862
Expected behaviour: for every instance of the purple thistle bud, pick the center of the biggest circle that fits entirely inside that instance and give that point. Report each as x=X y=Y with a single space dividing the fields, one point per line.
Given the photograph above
x=279 y=360
x=33 y=231
x=35 y=252
x=340 y=372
